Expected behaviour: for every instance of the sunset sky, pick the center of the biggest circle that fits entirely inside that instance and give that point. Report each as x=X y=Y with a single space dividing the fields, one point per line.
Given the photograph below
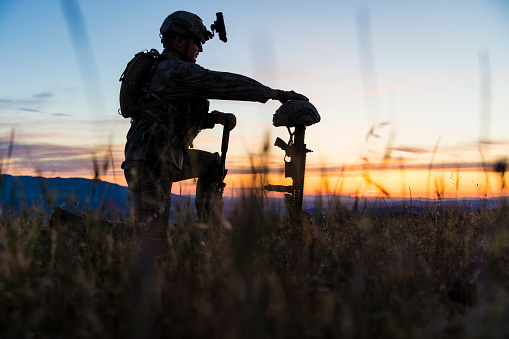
x=401 y=87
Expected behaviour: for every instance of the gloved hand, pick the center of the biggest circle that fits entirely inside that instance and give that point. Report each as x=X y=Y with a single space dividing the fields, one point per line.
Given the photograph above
x=225 y=118
x=284 y=96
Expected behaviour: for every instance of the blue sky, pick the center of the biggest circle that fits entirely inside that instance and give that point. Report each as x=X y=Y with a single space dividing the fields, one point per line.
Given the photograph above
x=415 y=69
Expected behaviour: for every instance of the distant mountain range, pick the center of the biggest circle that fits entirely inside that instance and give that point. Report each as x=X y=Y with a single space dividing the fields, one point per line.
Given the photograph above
x=78 y=194
x=400 y=205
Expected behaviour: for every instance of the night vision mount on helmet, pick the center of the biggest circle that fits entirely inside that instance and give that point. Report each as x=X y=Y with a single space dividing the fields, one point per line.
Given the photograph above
x=298 y=114
x=219 y=27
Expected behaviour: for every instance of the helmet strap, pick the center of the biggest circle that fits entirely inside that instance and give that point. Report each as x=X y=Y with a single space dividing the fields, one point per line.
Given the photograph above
x=186 y=50
x=183 y=55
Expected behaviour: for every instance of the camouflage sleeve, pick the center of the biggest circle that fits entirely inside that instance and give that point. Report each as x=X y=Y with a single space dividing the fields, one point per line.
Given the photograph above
x=191 y=80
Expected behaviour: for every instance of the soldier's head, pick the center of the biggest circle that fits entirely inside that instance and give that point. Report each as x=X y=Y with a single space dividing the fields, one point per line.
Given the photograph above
x=184 y=32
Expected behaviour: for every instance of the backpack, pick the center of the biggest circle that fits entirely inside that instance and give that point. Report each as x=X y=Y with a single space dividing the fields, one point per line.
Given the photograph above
x=135 y=81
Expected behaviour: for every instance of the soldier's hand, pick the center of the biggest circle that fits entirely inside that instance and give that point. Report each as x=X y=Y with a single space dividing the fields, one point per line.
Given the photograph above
x=284 y=96
x=225 y=118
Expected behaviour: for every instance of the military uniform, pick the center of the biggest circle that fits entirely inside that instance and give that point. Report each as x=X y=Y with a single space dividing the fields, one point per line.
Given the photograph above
x=158 y=149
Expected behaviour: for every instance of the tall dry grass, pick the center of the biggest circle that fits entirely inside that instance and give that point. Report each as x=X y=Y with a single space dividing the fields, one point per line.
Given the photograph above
x=334 y=274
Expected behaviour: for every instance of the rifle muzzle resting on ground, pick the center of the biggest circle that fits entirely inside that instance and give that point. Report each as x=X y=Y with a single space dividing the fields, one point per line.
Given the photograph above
x=298 y=114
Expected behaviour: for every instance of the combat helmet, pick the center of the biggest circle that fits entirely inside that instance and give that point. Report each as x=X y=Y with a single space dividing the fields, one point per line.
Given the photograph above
x=296 y=112
x=187 y=24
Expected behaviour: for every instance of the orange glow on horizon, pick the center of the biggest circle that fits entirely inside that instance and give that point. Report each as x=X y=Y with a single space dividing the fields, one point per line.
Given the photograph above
x=412 y=183
x=375 y=183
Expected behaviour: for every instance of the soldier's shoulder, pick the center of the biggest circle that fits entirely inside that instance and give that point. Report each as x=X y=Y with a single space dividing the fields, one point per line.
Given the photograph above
x=187 y=69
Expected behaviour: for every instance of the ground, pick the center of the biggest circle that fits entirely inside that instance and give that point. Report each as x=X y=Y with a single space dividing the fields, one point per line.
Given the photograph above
x=336 y=273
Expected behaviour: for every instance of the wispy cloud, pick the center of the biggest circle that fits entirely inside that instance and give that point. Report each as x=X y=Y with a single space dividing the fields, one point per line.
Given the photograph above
x=43 y=95
x=31 y=103
x=391 y=166
x=57 y=159
x=32 y=136
x=30 y=110
x=472 y=145
x=416 y=150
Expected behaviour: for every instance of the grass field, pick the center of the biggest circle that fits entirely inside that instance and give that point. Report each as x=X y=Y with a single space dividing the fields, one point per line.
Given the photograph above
x=335 y=274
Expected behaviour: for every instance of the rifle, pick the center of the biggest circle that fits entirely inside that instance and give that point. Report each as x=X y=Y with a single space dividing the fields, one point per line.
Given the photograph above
x=296 y=150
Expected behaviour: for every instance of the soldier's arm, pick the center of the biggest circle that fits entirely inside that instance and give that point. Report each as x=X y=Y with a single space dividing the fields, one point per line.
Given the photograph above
x=193 y=80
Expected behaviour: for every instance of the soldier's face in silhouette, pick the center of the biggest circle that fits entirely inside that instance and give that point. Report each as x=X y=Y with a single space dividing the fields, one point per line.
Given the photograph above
x=189 y=47
x=195 y=47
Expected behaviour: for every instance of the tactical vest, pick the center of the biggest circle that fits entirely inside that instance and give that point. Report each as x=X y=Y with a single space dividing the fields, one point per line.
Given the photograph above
x=186 y=118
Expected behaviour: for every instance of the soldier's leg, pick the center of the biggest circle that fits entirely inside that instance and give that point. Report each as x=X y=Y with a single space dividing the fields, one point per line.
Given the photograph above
x=206 y=167
x=151 y=187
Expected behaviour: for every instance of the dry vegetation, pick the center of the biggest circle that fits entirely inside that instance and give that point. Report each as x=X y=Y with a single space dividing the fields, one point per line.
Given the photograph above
x=335 y=274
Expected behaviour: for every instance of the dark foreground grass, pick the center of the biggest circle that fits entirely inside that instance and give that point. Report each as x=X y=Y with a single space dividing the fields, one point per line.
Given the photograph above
x=333 y=275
